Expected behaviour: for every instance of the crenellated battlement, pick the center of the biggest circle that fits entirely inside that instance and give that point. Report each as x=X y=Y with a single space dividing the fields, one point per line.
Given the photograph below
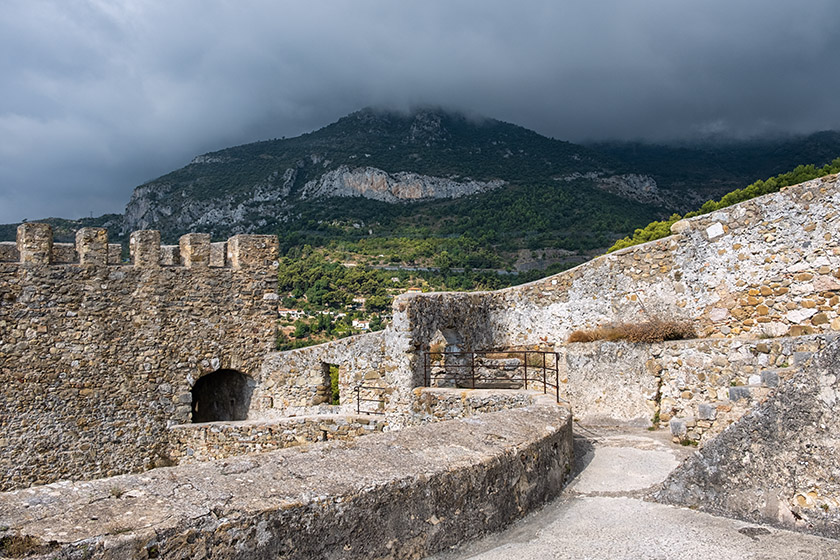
x=35 y=245
x=85 y=333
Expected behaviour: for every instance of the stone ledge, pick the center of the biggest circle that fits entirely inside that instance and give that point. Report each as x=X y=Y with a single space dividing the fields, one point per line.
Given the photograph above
x=189 y=443
x=399 y=494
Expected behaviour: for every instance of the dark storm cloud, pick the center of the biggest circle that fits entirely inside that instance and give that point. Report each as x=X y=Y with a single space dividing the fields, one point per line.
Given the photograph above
x=98 y=96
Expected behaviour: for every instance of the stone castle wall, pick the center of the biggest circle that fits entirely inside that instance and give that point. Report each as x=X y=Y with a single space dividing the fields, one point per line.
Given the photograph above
x=760 y=269
x=696 y=387
x=190 y=443
x=779 y=463
x=765 y=267
x=97 y=358
x=297 y=380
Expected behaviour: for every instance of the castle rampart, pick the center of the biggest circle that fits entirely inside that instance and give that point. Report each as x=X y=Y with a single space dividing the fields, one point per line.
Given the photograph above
x=98 y=358
x=402 y=494
x=764 y=268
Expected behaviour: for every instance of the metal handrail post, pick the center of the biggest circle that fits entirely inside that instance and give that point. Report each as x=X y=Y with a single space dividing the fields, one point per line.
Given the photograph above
x=525 y=367
x=545 y=384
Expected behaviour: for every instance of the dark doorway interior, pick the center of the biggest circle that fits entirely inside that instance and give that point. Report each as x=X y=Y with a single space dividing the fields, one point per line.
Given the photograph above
x=222 y=395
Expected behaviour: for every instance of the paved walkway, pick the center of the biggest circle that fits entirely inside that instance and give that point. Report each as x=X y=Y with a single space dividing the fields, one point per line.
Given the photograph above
x=601 y=515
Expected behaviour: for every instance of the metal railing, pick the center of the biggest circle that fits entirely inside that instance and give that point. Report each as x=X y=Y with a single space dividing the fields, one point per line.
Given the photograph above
x=512 y=369
x=379 y=392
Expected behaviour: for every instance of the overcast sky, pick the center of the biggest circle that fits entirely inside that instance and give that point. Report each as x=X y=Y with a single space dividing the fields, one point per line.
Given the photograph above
x=99 y=96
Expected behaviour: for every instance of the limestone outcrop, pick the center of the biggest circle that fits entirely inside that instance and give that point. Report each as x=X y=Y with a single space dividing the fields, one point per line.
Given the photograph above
x=377 y=184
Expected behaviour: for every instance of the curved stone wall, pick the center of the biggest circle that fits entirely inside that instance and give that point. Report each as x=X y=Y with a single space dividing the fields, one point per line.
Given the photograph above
x=766 y=267
x=402 y=494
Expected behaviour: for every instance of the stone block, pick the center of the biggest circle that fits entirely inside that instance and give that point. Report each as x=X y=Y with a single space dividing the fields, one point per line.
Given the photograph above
x=737 y=393
x=678 y=427
x=680 y=226
x=706 y=411
x=714 y=231
x=770 y=378
x=144 y=247
x=195 y=250
x=92 y=246
x=34 y=243
x=253 y=251
x=64 y=253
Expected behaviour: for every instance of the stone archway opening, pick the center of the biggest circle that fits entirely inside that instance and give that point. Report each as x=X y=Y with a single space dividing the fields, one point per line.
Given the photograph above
x=223 y=395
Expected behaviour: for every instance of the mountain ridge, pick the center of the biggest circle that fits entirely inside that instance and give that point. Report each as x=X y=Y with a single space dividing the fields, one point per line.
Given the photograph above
x=383 y=156
x=436 y=174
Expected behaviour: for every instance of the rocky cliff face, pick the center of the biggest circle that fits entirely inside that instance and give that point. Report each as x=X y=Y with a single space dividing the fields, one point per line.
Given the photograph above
x=632 y=186
x=158 y=206
x=153 y=206
x=377 y=184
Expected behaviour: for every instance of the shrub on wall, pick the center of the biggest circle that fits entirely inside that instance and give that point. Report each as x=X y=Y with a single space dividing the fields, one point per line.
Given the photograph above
x=658 y=230
x=654 y=330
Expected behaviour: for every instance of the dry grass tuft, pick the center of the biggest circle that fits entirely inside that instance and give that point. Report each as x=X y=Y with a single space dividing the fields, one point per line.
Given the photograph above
x=583 y=336
x=18 y=546
x=654 y=330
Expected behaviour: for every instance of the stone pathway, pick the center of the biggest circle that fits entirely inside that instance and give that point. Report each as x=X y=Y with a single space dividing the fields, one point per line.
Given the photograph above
x=601 y=514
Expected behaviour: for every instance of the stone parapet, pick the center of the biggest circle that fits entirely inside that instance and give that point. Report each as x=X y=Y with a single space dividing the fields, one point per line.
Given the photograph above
x=766 y=267
x=170 y=255
x=144 y=246
x=694 y=388
x=92 y=246
x=34 y=243
x=195 y=250
x=9 y=252
x=201 y=442
x=218 y=254
x=253 y=251
x=438 y=405
x=64 y=253
x=403 y=494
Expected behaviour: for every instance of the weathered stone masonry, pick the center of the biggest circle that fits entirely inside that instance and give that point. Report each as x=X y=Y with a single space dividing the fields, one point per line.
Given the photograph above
x=402 y=494
x=97 y=358
x=764 y=268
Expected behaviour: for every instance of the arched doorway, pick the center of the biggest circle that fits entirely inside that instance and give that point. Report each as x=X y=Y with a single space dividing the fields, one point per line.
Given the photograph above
x=223 y=395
